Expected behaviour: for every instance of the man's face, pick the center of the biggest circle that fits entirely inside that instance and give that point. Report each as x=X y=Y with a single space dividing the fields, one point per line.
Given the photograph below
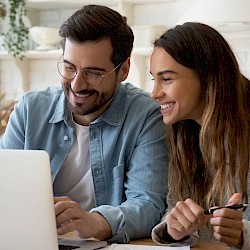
x=90 y=57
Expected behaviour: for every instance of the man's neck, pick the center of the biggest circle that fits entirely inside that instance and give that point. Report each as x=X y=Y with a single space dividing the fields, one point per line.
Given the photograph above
x=85 y=120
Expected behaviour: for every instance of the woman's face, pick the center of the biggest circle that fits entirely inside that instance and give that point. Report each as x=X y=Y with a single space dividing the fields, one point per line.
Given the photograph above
x=176 y=88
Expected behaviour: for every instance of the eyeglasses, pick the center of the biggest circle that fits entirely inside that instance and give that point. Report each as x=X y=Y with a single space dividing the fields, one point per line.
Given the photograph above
x=91 y=76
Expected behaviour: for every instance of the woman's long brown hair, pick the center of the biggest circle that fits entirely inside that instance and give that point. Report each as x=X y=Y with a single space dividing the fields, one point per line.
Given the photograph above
x=209 y=163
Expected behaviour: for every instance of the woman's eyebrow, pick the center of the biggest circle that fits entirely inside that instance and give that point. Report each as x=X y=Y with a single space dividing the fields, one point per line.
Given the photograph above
x=166 y=71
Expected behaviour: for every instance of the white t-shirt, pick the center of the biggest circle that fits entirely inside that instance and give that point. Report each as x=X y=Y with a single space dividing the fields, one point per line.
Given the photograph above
x=75 y=177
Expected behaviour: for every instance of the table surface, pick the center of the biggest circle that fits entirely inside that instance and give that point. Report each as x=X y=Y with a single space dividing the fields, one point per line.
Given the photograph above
x=199 y=246
x=149 y=242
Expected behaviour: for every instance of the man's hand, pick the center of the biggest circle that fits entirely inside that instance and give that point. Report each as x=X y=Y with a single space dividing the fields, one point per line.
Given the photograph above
x=227 y=223
x=70 y=216
x=185 y=218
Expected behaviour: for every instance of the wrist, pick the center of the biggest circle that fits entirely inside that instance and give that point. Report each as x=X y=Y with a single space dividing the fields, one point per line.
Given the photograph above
x=169 y=238
x=103 y=230
x=241 y=242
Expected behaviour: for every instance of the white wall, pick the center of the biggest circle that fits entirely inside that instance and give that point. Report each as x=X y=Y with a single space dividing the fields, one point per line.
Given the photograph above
x=42 y=72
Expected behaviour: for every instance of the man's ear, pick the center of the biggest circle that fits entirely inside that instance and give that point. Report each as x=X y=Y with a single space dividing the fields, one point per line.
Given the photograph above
x=124 y=70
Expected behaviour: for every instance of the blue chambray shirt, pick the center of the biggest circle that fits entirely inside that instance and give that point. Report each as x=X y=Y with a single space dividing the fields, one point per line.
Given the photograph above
x=127 y=153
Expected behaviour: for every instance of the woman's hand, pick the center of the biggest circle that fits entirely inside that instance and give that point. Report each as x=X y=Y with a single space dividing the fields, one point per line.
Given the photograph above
x=227 y=223
x=185 y=218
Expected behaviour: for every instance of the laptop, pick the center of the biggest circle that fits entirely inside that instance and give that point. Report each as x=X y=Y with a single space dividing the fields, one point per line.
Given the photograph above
x=27 y=207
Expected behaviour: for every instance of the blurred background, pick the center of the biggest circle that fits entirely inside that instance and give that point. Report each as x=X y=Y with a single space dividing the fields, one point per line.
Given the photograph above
x=37 y=67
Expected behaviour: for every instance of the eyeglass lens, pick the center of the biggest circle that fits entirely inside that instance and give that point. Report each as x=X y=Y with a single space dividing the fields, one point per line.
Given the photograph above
x=68 y=71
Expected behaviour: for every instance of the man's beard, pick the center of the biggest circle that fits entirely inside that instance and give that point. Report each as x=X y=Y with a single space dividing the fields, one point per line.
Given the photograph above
x=79 y=109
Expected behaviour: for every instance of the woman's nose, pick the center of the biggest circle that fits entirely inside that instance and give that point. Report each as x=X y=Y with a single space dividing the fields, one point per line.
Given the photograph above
x=155 y=94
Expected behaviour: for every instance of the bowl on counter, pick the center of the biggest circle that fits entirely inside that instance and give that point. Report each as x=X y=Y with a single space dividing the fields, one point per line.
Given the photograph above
x=45 y=37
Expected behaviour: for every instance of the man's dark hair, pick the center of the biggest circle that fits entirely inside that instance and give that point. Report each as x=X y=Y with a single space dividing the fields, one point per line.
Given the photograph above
x=96 y=22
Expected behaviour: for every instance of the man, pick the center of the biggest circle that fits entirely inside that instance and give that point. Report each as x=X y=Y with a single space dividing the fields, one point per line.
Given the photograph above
x=106 y=140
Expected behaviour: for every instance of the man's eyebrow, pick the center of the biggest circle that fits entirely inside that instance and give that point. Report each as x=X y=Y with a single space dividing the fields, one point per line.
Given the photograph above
x=97 y=68
x=66 y=61
x=93 y=68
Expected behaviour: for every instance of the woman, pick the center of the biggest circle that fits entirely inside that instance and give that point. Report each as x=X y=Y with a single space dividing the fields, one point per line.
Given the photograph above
x=205 y=100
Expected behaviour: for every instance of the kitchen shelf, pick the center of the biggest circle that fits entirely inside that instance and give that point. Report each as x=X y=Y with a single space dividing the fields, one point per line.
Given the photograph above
x=33 y=54
x=62 y=4
x=48 y=4
x=138 y=56
x=50 y=54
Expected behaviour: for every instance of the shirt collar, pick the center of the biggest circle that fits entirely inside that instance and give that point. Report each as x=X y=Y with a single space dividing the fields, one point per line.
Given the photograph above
x=113 y=115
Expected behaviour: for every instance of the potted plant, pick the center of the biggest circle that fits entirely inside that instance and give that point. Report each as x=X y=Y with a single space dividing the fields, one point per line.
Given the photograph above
x=2 y=10
x=15 y=39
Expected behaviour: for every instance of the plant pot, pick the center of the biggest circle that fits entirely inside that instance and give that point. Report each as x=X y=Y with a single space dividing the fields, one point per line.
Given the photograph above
x=2 y=12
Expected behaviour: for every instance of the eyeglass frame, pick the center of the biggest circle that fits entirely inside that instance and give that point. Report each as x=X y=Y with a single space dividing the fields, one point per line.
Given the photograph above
x=76 y=71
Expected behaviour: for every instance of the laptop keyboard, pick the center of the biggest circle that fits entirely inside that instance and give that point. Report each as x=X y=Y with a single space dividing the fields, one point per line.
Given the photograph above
x=62 y=247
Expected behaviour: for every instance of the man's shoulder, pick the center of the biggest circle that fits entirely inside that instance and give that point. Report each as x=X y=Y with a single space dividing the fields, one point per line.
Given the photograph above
x=50 y=92
x=48 y=95
x=43 y=100
x=138 y=95
x=133 y=90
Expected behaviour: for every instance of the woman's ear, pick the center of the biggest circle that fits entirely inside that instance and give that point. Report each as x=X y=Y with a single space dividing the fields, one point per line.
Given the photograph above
x=124 y=70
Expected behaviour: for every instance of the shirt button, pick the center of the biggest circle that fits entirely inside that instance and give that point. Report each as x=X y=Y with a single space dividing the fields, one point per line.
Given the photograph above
x=65 y=138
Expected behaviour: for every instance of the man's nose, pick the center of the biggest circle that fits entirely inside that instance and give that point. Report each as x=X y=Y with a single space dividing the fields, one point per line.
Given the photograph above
x=78 y=83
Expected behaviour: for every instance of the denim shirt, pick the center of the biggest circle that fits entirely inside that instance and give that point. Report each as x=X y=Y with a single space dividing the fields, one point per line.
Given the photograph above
x=127 y=153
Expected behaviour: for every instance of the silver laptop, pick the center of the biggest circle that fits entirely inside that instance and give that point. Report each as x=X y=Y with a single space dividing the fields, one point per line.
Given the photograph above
x=27 y=207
